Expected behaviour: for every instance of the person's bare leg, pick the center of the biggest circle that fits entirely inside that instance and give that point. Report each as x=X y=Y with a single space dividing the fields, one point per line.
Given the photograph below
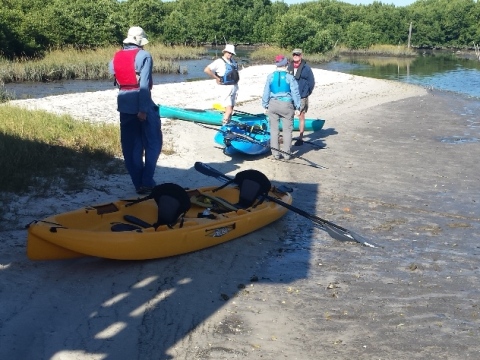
x=227 y=116
x=301 y=126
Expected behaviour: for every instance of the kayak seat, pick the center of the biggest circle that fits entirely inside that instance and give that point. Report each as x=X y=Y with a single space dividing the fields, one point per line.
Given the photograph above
x=252 y=184
x=173 y=203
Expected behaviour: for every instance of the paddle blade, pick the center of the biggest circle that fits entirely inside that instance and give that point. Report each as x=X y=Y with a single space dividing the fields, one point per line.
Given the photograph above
x=360 y=239
x=218 y=107
x=347 y=235
x=337 y=234
x=209 y=171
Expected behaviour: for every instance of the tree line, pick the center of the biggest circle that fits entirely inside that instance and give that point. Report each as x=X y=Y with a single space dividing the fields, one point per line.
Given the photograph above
x=28 y=28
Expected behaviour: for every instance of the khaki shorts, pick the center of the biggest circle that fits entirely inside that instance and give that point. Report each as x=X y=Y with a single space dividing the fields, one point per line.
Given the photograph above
x=227 y=95
x=304 y=105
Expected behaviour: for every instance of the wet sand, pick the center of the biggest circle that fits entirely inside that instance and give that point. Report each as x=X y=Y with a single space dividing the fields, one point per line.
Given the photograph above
x=402 y=172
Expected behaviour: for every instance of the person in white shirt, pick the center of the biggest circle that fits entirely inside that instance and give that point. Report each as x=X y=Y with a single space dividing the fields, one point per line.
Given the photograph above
x=225 y=72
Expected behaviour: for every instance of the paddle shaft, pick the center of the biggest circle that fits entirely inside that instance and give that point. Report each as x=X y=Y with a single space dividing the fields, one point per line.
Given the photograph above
x=253 y=141
x=337 y=232
x=239 y=123
x=209 y=171
x=241 y=136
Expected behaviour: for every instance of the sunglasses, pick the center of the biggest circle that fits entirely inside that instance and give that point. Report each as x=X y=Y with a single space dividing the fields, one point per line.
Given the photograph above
x=296 y=54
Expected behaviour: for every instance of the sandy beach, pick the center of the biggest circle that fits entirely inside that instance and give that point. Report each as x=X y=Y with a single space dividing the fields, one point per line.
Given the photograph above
x=402 y=172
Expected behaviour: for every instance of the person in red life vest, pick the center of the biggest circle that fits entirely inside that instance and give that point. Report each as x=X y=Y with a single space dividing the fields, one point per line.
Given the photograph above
x=306 y=82
x=140 y=126
x=280 y=100
x=225 y=72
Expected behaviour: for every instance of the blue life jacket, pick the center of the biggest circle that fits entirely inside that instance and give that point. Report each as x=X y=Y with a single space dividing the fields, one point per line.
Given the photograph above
x=231 y=76
x=279 y=83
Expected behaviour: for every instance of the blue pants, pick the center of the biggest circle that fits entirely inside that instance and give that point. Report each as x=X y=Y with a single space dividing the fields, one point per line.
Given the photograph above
x=139 y=137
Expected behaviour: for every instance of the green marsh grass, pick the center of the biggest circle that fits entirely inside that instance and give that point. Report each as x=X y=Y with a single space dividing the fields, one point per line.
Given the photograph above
x=42 y=153
x=40 y=150
x=381 y=50
x=67 y=64
x=266 y=54
x=401 y=62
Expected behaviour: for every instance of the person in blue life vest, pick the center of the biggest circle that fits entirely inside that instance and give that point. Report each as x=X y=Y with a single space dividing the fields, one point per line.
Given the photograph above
x=225 y=72
x=280 y=99
x=306 y=82
x=140 y=126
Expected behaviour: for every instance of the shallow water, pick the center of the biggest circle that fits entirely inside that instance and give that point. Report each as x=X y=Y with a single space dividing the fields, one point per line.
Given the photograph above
x=191 y=70
x=469 y=109
x=39 y=90
x=439 y=72
x=443 y=72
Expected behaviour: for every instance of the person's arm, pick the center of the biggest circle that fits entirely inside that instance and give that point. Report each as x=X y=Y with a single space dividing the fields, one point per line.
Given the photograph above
x=111 y=70
x=266 y=93
x=144 y=100
x=294 y=92
x=212 y=74
x=311 y=80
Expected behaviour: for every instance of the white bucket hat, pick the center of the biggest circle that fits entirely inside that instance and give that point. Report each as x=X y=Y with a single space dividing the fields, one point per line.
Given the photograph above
x=229 y=48
x=136 y=36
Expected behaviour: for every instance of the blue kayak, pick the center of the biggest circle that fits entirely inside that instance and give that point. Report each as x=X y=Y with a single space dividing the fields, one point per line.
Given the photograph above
x=250 y=137
x=214 y=117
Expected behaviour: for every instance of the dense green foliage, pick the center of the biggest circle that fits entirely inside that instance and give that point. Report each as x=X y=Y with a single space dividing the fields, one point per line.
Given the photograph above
x=30 y=27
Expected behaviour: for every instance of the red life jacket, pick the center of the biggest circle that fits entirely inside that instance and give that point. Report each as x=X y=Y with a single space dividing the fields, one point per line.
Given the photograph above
x=124 y=67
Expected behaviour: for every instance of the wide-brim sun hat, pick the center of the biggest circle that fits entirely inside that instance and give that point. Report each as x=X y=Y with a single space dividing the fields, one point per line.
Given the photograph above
x=229 y=48
x=136 y=36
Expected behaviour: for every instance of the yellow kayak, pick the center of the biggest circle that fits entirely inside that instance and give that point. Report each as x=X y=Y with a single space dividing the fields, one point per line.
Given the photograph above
x=141 y=229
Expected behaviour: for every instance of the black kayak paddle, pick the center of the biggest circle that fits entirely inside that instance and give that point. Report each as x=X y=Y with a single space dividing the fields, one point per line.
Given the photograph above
x=335 y=231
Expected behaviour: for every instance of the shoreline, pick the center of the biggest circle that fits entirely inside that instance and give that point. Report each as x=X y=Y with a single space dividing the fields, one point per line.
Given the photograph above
x=287 y=290
x=335 y=89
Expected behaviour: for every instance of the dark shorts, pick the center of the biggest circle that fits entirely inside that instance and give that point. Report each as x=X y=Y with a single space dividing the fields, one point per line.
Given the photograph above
x=304 y=105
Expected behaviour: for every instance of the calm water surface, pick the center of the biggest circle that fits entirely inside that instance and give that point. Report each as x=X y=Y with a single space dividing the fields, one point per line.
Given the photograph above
x=194 y=70
x=440 y=72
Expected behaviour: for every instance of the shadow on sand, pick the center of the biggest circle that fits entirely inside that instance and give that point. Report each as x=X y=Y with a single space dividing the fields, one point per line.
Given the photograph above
x=105 y=309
